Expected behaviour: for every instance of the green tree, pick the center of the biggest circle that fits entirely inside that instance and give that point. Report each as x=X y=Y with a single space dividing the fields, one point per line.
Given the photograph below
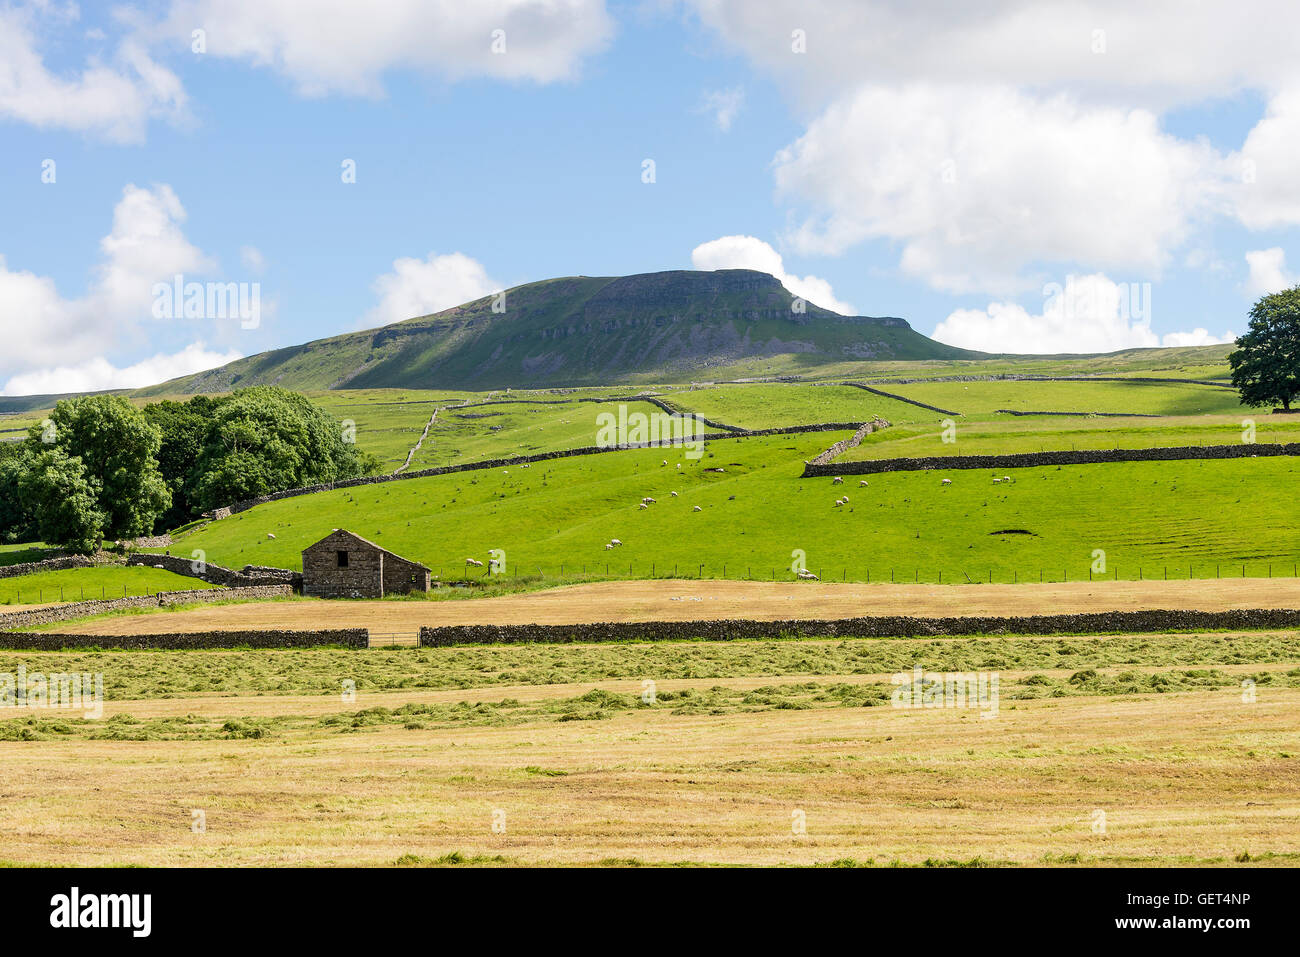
x=183 y=429
x=266 y=439
x=116 y=447
x=1266 y=363
x=64 y=500
x=16 y=524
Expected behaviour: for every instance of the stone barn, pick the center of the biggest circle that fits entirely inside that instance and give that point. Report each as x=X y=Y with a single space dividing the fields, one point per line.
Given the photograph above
x=344 y=565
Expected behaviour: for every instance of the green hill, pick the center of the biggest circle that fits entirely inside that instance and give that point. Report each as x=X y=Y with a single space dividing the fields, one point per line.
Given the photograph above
x=583 y=330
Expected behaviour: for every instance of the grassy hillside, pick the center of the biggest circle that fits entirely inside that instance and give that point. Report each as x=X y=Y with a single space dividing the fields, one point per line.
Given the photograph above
x=581 y=330
x=757 y=511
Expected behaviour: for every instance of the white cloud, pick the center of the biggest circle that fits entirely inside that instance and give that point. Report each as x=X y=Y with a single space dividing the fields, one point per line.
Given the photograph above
x=1088 y=314
x=98 y=374
x=978 y=184
x=347 y=47
x=418 y=287
x=1268 y=272
x=1155 y=54
x=1045 y=115
x=1268 y=190
x=749 y=252
x=57 y=344
x=114 y=100
x=146 y=245
x=724 y=105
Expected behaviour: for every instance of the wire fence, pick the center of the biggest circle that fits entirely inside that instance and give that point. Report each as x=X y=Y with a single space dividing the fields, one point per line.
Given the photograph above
x=730 y=571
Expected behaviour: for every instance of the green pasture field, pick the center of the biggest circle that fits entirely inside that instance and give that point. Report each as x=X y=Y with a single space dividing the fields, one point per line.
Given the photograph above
x=758 y=511
x=772 y=405
x=986 y=397
x=521 y=428
x=1008 y=435
x=104 y=581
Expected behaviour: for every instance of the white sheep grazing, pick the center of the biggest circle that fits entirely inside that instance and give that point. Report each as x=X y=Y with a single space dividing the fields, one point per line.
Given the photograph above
x=664 y=462
x=615 y=541
x=947 y=481
x=996 y=480
x=1006 y=478
x=673 y=494
x=679 y=464
x=643 y=505
x=845 y=500
x=862 y=484
x=837 y=504
x=805 y=574
x=270 y=535
x=474 y=561
x=838 y=480
x=608 y=546
x=697 y=509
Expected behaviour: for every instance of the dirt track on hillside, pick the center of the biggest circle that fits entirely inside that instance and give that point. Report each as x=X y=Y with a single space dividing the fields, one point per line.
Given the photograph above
x=690 y=600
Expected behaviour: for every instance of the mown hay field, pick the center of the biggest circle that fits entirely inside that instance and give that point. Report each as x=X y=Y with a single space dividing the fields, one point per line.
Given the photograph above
x=1111 y=751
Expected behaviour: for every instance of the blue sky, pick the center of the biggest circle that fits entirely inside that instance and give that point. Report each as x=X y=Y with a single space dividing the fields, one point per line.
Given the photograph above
x=1022 y=182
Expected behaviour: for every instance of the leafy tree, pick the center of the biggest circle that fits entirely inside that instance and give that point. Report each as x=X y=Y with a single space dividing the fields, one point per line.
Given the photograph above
x=1266 y=363
x=266 y=439
x=64 y=500
x=183 y=429
x=16 y=524
x=115 y=446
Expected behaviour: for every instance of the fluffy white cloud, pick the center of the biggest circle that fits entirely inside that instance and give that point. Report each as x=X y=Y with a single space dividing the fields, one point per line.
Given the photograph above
x=146 y=245
x=1268 y=272
x=749 y=252
x=977 y=184
x=1155 y=54
x=57 y=344
x=988 y=140
x=347 y=47
x=723 y=105
x=1087 y=314
x=418 y=287
x=98 y=373
x=113 y=99
x=1268 y=190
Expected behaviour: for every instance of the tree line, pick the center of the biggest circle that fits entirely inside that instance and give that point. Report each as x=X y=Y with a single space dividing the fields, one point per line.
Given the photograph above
x=99 y=469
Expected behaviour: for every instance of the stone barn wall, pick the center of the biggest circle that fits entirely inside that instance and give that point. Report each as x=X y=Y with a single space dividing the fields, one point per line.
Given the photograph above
x=322 y=577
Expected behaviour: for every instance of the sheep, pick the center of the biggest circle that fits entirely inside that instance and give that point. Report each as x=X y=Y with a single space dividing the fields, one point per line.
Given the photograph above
x=947 y=482
x=837 y=504
x=697 y=509
x=673 y=494
x=862 y=484
x=643 y=505
x=1006 y=478
x=648 y=501
x=807 y=575
x=679 y=464
x=996 y=480
x=664 y=463
x=615 y=541
x=270 y=535
x=473 y=561
x=838 y=480
x=608 y=546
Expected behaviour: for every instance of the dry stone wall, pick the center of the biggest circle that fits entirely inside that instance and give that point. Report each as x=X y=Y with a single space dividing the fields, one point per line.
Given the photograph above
x=893 y=626
x=217 y=575
x=47 y=565
x=1033 y=459
x=50 y=641
x=84 y=609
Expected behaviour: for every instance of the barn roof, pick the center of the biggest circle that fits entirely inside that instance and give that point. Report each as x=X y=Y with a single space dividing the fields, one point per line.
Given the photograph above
x=367 y=542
